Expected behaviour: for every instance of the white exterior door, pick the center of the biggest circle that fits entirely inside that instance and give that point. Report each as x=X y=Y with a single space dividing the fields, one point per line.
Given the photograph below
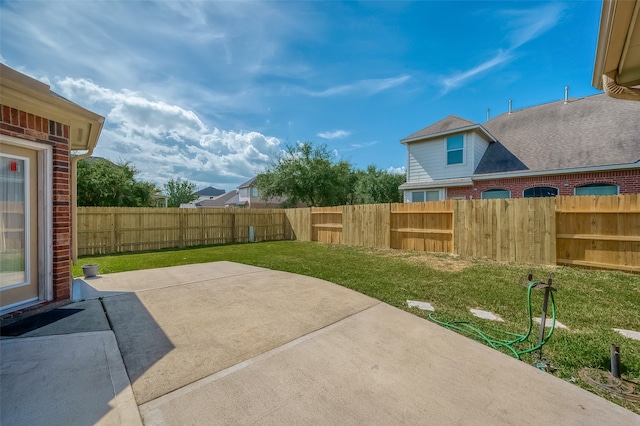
x=18 y=226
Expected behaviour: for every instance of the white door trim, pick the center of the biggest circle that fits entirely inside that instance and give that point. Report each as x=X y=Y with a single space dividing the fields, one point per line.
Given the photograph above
x=45 y=218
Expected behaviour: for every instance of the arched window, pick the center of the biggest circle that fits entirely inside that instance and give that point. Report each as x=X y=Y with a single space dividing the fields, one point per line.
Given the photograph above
x=496 y=193
x=540 y=191
x=597 y=189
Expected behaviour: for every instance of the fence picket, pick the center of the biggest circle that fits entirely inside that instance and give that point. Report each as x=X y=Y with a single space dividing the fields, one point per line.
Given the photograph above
x=591 y=231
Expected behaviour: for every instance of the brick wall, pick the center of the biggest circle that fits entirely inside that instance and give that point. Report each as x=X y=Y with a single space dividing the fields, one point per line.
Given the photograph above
x=628 y=180
x=21 y=124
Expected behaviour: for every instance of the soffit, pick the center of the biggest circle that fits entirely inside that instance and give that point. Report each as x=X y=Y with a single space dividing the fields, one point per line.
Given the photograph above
x=618 y=47
x=629 y=73
x=34 y=97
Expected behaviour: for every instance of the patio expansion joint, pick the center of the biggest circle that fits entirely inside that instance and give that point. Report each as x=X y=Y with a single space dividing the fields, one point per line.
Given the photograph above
x=185 y=283
x=149 y=409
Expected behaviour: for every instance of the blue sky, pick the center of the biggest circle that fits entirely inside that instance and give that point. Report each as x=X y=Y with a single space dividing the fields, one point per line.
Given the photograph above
x=210 y=91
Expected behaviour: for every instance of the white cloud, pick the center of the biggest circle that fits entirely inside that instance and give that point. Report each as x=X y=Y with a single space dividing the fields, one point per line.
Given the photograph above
x=360 y=145
x=397 y=170
x=336 y=134
x=526 y=25
x=134 y=114
x=166 y=141
x=523 y=26
x=365 y=87
x=461 y=78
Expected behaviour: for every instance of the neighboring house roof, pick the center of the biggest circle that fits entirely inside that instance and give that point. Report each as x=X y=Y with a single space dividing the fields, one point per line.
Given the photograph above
x=445 y=125
x=248 y=183
x=594 y=131
x=587 y=132
x=210 y=192
x=220 y=200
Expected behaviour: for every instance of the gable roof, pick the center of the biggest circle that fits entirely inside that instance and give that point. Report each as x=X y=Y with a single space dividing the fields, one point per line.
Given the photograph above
x=220 y=200
x=448 y=125
x=586 y=132
x=451 y=122
x=210 y=191
x=247 y=183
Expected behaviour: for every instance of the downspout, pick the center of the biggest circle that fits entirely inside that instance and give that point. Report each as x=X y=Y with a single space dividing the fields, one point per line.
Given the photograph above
x=74 y=191
x=613 y=89
x=74 y=203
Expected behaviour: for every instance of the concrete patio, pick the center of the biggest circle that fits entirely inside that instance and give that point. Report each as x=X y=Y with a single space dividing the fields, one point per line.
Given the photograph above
x=224 y=343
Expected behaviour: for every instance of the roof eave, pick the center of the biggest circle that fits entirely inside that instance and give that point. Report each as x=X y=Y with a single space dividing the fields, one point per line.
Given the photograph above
x=526 y=173
x=477 y=127
x=27 y=94
x=436 y=184
x=619 y=20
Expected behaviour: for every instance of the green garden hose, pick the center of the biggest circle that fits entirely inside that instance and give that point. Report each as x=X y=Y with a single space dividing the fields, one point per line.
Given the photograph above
x=497 y=343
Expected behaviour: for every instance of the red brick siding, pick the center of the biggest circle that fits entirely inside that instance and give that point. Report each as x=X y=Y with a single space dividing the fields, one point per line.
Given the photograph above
x=23 y=125
x=627 y=180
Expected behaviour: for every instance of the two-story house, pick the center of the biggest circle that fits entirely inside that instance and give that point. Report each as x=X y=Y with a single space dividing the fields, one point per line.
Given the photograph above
x=579 y=146
x=249 y=197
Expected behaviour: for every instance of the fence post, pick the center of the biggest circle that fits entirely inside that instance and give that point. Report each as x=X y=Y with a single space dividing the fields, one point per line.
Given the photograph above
x=181 y=228
x=113 y=232
x=233 y=226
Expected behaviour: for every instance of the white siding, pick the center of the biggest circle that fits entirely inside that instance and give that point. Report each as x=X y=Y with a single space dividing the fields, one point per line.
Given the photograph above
x=242 y=195
x=419 y=155
x=428 y=160
x=479 y=147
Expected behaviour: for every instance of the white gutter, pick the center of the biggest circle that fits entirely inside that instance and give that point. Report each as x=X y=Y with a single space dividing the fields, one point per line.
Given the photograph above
x=527 y=173
x=436 y=184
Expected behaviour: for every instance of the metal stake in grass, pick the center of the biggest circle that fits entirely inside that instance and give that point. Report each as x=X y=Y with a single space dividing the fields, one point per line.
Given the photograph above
x=543 y=320
x=615 y=361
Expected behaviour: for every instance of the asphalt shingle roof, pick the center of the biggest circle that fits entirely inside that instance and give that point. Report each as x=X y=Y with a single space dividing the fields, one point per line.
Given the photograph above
x=592 y=131
x=451 y=122
x=585 y=132
x=247 y=183
x=230 y=197
x=210 y=191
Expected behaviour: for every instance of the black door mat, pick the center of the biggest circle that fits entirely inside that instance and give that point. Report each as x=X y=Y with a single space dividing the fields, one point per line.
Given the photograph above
x=36 y=321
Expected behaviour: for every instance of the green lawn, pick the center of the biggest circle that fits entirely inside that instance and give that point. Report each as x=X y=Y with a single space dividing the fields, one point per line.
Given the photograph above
x=589 y=302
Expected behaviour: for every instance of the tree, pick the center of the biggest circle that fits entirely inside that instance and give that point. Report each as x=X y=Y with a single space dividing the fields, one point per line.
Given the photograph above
x=180 y=192
x=377 y=186
x=307 y=174
x=103 y=183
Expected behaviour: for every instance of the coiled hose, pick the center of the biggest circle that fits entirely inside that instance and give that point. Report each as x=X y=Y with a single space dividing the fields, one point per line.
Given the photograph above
x=496 y=343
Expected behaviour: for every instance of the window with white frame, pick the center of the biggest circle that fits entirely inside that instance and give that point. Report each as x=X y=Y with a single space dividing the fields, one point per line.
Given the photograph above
x=254 y=192
x=540 y=191
x=496 y=193
x=455 y=149
x=419 y=196
x=597 y=189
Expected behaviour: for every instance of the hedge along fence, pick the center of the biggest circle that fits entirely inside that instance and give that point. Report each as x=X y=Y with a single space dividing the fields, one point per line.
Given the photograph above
x=600 y=232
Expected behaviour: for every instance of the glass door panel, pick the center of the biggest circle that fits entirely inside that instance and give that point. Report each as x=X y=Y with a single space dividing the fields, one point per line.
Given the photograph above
x=18 y=226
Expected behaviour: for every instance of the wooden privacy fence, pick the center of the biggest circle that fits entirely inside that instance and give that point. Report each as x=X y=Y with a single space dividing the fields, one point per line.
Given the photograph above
x=600 y=232
x=104 y=230
x=592 y=231
x=507 y=229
